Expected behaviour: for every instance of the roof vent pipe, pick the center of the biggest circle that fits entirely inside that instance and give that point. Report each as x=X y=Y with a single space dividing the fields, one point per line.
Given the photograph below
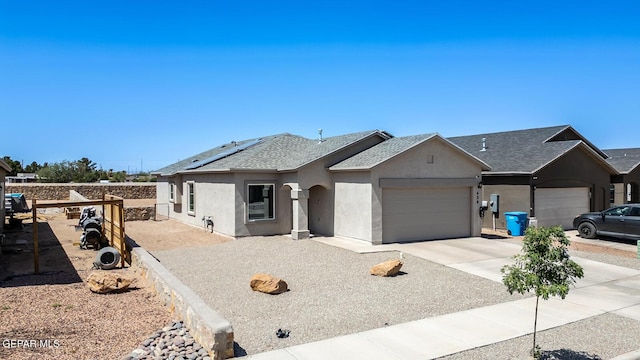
x=484 y=144
x=319 y=136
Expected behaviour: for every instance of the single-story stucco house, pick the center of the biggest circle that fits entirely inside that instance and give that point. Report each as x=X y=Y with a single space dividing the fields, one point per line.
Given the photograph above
x=625 y=185
x=369 y=186
x=553 y=173
x=4 y=169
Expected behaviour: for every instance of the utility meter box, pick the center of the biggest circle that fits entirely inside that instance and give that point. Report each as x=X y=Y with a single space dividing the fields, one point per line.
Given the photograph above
x=494 y=204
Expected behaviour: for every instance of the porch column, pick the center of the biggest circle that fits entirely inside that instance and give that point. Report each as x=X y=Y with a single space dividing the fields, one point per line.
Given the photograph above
x=300 y=208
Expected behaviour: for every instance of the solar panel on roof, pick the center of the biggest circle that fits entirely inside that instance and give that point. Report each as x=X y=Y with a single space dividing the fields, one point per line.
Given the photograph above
x=223 y=154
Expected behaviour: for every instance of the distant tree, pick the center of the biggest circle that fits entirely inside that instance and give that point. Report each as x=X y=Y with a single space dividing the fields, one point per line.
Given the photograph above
x=61 y=172
x=120 y=176
x=16 y=166
x=33 y=167
x=80 y=171
x=85 y=171
x=543 y=266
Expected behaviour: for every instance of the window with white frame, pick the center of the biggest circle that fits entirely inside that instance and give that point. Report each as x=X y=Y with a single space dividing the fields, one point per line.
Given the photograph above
x=191 y=198
x=260 y=202
x=172 y=192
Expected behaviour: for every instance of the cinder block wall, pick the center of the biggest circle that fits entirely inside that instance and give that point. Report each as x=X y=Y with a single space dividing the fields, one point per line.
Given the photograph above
x=42 y=191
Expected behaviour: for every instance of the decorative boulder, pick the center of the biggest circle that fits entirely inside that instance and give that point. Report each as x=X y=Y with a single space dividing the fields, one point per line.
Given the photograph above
x=268 y=284
x=387 y=268
x=103 y=282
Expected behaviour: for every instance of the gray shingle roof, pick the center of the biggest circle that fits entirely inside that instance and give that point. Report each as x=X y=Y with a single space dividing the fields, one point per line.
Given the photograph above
x=381 y=152
x=274 y=153
x=523 y=151
x=624 y=160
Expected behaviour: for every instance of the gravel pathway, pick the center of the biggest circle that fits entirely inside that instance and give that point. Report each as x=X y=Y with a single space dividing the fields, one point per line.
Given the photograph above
x=332 y=293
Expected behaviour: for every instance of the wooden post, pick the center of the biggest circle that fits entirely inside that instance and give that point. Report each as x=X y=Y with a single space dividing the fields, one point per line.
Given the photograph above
x=123 y=246
x=112 y=209
x=36 y=250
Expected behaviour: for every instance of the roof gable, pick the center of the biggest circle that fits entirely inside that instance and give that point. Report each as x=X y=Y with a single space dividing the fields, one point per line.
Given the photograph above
x=624 y=160
x=523 y=151
x=391 y=148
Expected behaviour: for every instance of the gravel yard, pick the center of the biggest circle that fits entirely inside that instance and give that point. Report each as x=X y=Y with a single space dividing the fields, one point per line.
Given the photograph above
x=331 y=290
x=331 y=294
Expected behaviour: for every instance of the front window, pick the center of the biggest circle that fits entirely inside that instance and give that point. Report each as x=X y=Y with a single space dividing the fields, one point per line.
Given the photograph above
x=171 y=191
x=261 y=202
x=191 y=206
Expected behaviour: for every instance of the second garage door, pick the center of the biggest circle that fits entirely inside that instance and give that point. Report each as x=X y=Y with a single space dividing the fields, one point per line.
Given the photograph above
x=425 y=214
x=558 y=206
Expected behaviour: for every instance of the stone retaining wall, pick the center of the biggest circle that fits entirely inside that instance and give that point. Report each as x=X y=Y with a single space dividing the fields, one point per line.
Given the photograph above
x=130 y=213
x=206 y=326
x=139 y=213
x=42 y=191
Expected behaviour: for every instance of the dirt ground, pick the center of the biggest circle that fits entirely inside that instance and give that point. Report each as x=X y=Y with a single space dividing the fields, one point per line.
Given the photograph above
x=54 y=313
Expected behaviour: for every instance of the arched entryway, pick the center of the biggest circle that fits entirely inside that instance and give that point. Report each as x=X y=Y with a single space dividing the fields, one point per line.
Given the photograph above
x=321 y=210
x=632 y=193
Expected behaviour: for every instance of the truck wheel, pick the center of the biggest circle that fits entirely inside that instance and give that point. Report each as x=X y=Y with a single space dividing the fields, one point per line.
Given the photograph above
x=587 y=230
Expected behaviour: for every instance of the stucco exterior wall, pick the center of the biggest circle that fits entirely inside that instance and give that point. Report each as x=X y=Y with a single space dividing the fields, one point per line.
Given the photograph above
x=353 y=194
x=216 y=199
x=512 y=198
x=214 y=196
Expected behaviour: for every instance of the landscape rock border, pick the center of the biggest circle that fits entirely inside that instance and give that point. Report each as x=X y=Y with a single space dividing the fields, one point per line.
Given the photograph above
x=207 y=327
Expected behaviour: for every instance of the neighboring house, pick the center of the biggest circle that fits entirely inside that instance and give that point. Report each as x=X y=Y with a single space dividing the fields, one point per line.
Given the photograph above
x=552 y=173
x=626 y=185
x=4 y=169
x=22 y=178
x=369 y=186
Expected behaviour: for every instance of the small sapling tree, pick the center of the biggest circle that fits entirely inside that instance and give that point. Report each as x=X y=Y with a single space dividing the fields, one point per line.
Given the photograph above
x=544 y=267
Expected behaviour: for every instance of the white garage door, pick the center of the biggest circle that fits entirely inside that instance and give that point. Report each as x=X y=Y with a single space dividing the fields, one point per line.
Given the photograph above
x=558 y=206
x=425 y=214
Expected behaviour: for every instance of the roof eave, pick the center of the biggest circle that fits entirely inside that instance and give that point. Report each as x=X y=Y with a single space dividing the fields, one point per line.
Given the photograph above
x=353 y=168
x=503 y=173
x=4 y=165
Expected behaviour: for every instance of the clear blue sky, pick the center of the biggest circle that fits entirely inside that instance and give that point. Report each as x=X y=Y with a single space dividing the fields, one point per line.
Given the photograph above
x=142 y=84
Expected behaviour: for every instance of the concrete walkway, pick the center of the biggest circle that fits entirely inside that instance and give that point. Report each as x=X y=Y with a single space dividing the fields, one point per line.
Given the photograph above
x=605 y=288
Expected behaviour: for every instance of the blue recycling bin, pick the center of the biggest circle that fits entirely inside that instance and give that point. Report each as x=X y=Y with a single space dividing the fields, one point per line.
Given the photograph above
x=516 y=222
